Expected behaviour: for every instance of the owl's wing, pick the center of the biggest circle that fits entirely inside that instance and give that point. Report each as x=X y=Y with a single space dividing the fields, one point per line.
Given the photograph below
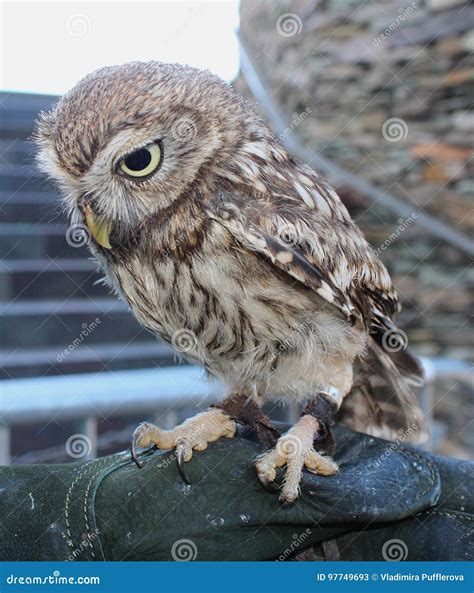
x=325 y=253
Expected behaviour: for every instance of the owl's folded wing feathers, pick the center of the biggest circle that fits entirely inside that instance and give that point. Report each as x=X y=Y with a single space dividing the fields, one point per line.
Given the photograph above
x=328 y=254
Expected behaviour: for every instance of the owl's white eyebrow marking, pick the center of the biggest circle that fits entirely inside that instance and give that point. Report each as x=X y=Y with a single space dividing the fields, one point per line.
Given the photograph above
x=122 y=144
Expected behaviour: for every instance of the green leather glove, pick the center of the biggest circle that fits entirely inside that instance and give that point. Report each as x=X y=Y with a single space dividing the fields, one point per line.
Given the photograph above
x=109 y=509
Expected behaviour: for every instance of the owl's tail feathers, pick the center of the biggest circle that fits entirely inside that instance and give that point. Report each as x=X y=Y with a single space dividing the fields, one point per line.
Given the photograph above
x=382 y=402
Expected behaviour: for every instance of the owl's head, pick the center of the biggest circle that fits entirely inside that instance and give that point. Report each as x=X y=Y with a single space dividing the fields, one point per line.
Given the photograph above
x=128 y=141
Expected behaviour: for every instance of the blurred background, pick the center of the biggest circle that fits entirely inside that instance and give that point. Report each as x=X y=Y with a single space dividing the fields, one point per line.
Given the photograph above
x=375 y=95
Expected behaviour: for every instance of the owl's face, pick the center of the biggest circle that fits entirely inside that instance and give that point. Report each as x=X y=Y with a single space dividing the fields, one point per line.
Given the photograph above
x=128 y=141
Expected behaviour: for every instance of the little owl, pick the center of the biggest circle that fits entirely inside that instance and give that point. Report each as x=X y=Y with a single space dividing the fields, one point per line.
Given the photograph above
x=227 y=247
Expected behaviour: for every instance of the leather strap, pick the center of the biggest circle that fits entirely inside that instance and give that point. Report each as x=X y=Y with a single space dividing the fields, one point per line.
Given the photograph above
x=323 y=407
x=241 y=409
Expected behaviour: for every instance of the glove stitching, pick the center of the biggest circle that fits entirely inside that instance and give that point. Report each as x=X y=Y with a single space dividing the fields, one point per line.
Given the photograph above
x=109 y=469
x=99 y=467
x=432 y=472
x=73 y=484
x=452 y=514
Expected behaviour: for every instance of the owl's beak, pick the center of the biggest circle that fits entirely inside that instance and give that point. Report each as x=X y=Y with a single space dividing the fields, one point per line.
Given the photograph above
x=99 y=228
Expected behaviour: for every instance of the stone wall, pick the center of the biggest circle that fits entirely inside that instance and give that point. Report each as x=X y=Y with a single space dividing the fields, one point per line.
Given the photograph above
x=384 y=88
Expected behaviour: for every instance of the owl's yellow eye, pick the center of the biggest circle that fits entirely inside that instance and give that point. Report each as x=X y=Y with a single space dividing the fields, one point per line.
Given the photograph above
x=143 y=162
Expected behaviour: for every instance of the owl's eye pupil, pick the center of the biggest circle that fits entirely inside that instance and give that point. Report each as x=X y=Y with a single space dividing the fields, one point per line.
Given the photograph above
x=141 y=163
x=138 y=160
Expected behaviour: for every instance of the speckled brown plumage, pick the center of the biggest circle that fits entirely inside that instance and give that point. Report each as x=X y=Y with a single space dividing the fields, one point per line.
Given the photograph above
x=231 y=240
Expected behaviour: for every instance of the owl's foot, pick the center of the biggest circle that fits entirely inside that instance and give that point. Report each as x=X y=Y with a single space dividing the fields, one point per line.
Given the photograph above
x=194 y=434
x=295 y=450
x=243 y=410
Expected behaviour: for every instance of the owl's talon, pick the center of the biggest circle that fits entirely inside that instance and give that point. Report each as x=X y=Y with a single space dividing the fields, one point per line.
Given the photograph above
x=138 y=442
x=295 y=451
x=194 y=434
x=267 y=484
x=180 y=451
x=134 y=456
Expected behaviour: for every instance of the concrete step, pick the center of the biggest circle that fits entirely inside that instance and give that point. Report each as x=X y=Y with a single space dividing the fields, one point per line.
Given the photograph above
x=17 y=152
x=23 y=178
x=101 y=320
x=58 y=307
x=36 y=212
x=28 y=103
x=111 y=356
x=18 y=114
x=52 y=283
x=61 y=266
x=29 y=197
x=38 y=241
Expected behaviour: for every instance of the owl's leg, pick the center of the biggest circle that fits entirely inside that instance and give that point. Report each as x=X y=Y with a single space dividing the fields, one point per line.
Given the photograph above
x=244 y=410
x=193 y=434
x=295 y=449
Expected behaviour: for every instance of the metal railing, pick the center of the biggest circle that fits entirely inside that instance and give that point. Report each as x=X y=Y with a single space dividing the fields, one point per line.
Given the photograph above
x=88 y=397
x=337 y=174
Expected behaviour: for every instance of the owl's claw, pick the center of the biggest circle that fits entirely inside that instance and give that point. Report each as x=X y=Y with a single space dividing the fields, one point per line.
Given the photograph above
x=133 y=453
x=180 y=451
x=194 y=434
x=294 y=451
x=267 y=484
x=137 y=435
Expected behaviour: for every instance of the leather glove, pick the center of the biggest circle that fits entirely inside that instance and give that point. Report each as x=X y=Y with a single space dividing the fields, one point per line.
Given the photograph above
x=108 y=509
